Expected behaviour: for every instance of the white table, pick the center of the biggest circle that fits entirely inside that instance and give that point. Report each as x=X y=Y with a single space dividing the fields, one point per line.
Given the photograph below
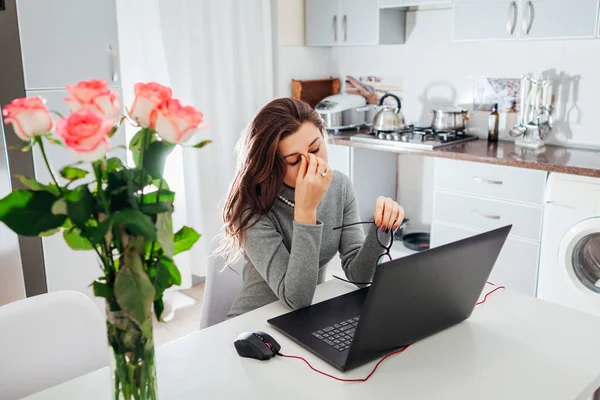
x=512 y=347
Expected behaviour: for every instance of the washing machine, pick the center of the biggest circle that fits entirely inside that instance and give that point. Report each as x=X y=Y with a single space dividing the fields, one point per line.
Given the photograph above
x=569 y=271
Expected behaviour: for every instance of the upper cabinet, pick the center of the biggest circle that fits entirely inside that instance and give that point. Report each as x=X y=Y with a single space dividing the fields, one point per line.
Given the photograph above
x=352 y=22
x=485 y=20
x=559 y=19
x=524 y=19
x=410 y=3
x=322 y=22
x=360 y=19
x=65 y=41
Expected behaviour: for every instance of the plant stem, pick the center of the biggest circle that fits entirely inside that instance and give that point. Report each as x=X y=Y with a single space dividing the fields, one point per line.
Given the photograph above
x=39 y=140
x=162 y=180
x=145 y=137
x=100 y=189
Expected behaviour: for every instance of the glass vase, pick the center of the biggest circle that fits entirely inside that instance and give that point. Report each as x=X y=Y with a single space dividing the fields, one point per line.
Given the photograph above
x=133 y=368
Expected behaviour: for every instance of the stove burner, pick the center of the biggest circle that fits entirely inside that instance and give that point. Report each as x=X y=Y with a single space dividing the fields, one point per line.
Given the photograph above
x=418 y=137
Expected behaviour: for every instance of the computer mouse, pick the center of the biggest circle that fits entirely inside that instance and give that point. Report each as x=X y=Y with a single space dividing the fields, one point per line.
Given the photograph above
x=257 y=345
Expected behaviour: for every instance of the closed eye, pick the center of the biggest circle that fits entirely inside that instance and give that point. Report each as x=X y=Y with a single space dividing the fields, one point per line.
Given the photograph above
x=298 y=159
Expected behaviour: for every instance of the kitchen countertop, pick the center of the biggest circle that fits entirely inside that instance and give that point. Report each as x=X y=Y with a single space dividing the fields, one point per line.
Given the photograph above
x=549 y=158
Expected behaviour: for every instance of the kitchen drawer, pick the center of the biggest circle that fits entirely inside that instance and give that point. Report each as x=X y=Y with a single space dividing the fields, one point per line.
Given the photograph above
x=485 y=214
x=517 y=264
x=496 y=181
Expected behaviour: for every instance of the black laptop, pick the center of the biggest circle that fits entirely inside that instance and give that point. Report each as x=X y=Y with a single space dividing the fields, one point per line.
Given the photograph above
x=410 y=298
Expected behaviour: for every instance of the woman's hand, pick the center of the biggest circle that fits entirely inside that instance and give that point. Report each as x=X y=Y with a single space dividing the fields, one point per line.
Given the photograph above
x=388 y=214
x=312 y=182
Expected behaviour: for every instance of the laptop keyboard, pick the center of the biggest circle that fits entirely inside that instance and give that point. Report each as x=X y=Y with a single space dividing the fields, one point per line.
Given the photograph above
x=339 y=336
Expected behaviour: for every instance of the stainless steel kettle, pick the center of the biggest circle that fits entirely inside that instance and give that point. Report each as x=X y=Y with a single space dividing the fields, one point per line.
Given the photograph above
x=388 y=118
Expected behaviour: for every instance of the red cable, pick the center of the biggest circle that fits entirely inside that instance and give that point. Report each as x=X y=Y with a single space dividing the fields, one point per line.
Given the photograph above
x=349 y=380
x=488 y=293
x=384 y=358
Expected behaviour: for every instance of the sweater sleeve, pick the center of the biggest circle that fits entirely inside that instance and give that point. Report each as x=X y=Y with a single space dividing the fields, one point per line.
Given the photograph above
x=291 y=275
x=358 y=254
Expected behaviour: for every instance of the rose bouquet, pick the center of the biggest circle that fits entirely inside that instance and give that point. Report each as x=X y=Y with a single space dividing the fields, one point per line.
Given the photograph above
x=122 y=213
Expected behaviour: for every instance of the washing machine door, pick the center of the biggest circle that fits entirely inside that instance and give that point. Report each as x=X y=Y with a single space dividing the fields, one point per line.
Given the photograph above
x=580 y=250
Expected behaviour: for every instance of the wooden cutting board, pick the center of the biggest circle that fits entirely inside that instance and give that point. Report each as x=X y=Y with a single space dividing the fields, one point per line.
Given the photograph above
x=313 y=91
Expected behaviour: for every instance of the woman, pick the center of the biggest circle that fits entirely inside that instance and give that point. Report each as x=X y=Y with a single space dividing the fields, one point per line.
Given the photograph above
x=283 y=205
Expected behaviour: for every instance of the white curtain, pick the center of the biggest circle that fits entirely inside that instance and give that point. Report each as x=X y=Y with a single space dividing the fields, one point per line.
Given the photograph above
x=217 y=56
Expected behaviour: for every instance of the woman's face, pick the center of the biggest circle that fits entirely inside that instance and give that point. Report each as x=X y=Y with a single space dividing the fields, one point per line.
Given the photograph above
x=307 y=139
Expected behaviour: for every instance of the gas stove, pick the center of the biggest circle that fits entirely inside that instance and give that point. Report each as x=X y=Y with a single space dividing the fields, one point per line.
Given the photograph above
x=415 y=138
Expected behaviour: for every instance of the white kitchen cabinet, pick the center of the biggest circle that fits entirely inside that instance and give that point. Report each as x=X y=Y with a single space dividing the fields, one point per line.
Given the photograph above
x=486 y=20
x=352 y=22
x=65 y=41
x=322 y=22
x=471 y=198
x=517 y=265
x=558 y=19
x=339 y=158
x=524 y=19
x=372 y=172
x=359 y=22
x=410 y=3
x=493 y=181
x=487 y=214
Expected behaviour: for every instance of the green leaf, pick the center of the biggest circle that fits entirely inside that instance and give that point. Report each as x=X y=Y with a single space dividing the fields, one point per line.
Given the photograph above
x=133 y=290
x=113 y=164
x=157 y=208
x=173 y=270
x=100 y=231
x=136 y=222
x=50 y=232
x=137 y=142
x=161 y=279
x=185 y=239
x=23 y=146
x=76 y=241
x=73 y=173
x=159 y=307
x=102 y=290
x=37 y=186
x=164 y=233
x=202 y=144
x=59 y=207
x=80 y=204
x=165 y=195
x=160 y=184
x=112 y=132
x=155 y=158
x=28 y=213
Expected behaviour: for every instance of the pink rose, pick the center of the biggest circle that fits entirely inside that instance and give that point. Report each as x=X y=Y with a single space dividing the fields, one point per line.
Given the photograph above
x=176 y=123
x=94 y=95
x=147 y=97
x=29 y=117
x=85 y=133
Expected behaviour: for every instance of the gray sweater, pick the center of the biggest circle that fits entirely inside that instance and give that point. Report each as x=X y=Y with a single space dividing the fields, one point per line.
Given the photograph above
x=286 y=260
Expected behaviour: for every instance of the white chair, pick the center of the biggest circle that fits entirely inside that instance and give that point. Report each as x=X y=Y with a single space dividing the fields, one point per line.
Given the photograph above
x=220 y=290
x=49 y=339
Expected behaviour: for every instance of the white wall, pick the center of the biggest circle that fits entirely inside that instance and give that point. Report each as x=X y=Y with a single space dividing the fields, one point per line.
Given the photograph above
x=438 y=71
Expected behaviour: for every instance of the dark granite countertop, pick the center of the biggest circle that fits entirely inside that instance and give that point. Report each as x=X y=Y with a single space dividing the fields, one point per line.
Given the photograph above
x=549 y=158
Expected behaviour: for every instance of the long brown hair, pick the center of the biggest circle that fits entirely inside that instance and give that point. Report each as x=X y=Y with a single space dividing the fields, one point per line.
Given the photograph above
x=260 y=169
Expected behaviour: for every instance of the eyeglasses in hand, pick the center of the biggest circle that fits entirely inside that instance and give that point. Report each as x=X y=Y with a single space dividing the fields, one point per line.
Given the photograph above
x=385 y=240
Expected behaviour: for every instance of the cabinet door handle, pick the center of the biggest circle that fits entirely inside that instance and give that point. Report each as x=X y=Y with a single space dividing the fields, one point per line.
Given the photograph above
x=490 y=181
x=335 y=28
x=511 y=23
x=115 y=64
x=482 y=215
x=528 y=22
x=345 y=23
